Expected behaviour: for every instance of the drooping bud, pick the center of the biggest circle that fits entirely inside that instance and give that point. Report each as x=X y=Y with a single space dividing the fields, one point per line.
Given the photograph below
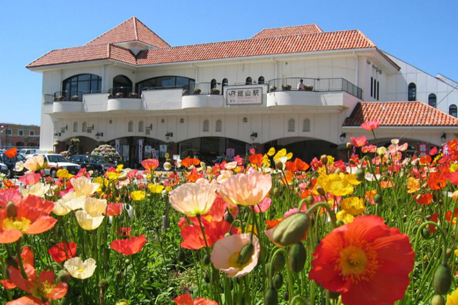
x=438 y=300
x=297 y=257
x=206 y=259
x=359 y=174
x=245 y=254
x=11 y=209
x=378 y=199
x=320 y=190
x=63 y=276
x=324 y=159
x=276 y=192
x=279 y=262
x=228 y=217
x=442 y=279
x=271 y=297
x=278 y=281
x=291 y=230
x=310 y=200
x=349 y=146
x=337 y=171
x=279 y=165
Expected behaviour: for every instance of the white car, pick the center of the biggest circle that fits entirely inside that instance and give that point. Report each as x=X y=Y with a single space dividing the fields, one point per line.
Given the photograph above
x=56 y=162
x=4 y=169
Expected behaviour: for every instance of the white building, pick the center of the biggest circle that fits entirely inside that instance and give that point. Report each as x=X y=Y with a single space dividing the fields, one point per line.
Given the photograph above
x=129 y=88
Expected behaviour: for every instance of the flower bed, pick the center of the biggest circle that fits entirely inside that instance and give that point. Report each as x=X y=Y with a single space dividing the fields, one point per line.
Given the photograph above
x=265 y=228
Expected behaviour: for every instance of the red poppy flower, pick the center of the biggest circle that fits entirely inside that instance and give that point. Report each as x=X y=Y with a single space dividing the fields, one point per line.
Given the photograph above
x=27 y=259
x=358 y=142
x=27 y=300
x=255 y=159
x=193 y=237
x=11 y=153
x=436 y=181
x=186 y=299
x=129 y=246
x=451 y=218
x=10 y=184
x=62 y=251
x=7 y=195
x=124 y=231
x=425 y=159
x=114 y=209
x=42 y=287
x=30 y=179
x=366 y=261
x=187 y=162
x=432 y=228
x=433 y=151
x=425 y=199
x=371 y=125
x=273 y=223
x=150 y=164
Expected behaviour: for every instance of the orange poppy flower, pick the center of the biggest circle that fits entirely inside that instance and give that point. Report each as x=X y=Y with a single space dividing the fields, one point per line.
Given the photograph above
x=129 y=246
x=255 y=159
x=370 y=125
x=150 y=164
x=432 y=228
x=426 y=159
x=358 y=142
x=186 y=299
x=270 y=224
x=7 y=195
x=41 y=287
x=386 y=184
x=187 y=162
x=27 y=300
x=288 y=178
x=425 y=198
x=436 y=181
x=357 y=260
x=27 y=259
x=10 y=184
x=114 y=209
x=193 y=237
x=62 y=251
x=11 y=153
x=451 y=218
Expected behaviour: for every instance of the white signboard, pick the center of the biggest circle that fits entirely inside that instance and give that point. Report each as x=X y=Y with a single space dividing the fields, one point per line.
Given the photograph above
x=118 y=145
x=140 y=150
x=244 y=96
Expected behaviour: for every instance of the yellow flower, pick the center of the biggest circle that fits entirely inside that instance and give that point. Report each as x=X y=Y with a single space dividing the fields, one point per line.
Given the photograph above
x=352 y=179
x=155 y=188
x=100 y=181
x=280 y=153
x=345 y=216
x=266 y=160
x=137 y=195
x=168 y=188
x=381 y=150
x=112 y=175
x=456 y=252
x=453 y=167
x=63 y=173
x=353 y=205
x=271 y=152
x=330 y=161
x=289 y=155
x=413 y=185
x=79 y=269
x=452 y=299
x=337 y=185
x=119 y=168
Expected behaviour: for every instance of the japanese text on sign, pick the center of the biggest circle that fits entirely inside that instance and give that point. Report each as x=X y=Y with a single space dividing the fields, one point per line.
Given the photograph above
x=244 y=96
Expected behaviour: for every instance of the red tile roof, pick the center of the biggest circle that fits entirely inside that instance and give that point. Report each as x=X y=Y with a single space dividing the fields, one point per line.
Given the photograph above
x=288 y=31
x=71 y=55
x=130 y=30
x=414 y=113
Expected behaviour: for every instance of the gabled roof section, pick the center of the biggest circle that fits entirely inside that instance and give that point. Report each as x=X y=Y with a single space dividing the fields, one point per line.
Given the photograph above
x=390 y=114
x=130 y=30
x=288 y=31
x=327 y=41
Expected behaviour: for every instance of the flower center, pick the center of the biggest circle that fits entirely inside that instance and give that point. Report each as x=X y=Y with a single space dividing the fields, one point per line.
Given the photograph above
x=233 y=261
x=16 y=224
x=358 y=262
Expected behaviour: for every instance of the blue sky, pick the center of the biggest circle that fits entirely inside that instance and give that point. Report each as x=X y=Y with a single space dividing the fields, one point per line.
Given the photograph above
x=423 y=33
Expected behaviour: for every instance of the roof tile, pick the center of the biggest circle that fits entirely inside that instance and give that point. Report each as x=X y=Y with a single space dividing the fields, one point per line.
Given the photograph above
x=288 y=31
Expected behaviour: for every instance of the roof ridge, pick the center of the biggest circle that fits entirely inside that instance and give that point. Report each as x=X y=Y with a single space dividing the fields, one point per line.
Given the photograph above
x=139 y=21
x=135 y=28
x=131 y=18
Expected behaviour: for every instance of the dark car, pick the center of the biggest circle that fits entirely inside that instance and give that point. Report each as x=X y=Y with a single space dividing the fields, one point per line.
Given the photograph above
x=11 y=164
x=97 y=164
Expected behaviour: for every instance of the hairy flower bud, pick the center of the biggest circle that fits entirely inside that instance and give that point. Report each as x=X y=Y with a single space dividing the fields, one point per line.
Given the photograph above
x=324 y=159
x=291 y=230
x=442 y=279
x=297 y=257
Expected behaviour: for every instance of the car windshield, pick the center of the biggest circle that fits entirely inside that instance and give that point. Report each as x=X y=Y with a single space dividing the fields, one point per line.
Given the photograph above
x=56 y=158
x=14 y=159
x=97 y=159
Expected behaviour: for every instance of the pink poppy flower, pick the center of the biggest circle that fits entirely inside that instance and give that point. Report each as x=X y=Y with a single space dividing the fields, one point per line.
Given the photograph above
x=246 y=189
x=370 y=125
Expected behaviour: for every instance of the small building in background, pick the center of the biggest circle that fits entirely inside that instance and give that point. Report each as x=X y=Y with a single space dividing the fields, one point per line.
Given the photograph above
x=20 y=136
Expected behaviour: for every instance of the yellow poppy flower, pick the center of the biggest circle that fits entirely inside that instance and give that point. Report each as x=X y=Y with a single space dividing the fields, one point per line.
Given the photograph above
x=330 y=161
x=155 y=188
x=119 y=168
x=337 y=185
x=63 y=173
x=112 y=175
x=137 y=195
x=453 y=167
x=289 y=155
x=413 y=185
x=280 y=153
x=452 y=299
x=352 y=179
x=271 y=152
x=353 y=205
x=345 y=216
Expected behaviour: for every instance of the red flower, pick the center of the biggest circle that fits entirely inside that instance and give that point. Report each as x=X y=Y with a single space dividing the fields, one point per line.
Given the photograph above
x=371 y=125
x=436 y=181
x=42 y=287
x=451 y=218
x=114 y=209
x=30 y=179
x=425 y=159
x=125 y=231
x=193 y=237
x=28 y=300
x=255 y=159
x=187 y=162
x=432 y=228
x=186 y=299
x=7 y=195
x=11 y=153
x=433 y=151
x=129 y=246
x=366 y=261
x=358 y=142
x=62 y=251
x=425 y=199
x=150 y=164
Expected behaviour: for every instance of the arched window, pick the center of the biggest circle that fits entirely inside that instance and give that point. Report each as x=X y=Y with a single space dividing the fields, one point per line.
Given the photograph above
x=452 y=110
x=75 y=127
x=130 y=126
x=248 y=81
x=84 y=129
x=122 y=84
x=81 y=84
x=219 y=126
x=306 y=127
x=432 y=100
x=291 y=124
x=140 y=126
x=213 y=84
x=412 y=94
x=261 y=80
x=206 y=126
x=224 y=83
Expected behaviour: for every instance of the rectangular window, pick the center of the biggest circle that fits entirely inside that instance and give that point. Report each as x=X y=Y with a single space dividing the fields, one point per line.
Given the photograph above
x=378 y=90
x=20 y=132
x=31 y=133
x=9 y=132
x=372 y=86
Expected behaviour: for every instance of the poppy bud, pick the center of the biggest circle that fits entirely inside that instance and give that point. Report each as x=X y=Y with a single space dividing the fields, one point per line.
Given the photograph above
x=278 y=281
x=279 y=165
x=267 y=268
x=271 y=297
x=320 y=190
x=349 y=145
x=359 y=174
x=279 y=262
x=337 y=171
x=228 y=217
x=286 y=296
x=206 y=259
x=309 y=200
x=297 y=257
x=324 y=159
x=291 y=230
x=63 y=276
x=442 y=279
x=331 y=294
x=438 y=300
x=207 y=278
x=103 y=284
x=181 y=256
x=378 y=198
x=122 y=302
x=11 y=209
x=245 y=254
x=276 y=192
x=309 y=183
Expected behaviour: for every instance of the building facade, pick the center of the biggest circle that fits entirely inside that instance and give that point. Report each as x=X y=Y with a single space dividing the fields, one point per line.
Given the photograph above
x=20 y=136
x=293 y=87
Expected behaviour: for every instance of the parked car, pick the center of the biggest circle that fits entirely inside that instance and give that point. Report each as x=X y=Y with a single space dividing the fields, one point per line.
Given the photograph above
x=11 y=164
x=97 y=164
x=56 y=162
x=27 y=151
x=4 y=169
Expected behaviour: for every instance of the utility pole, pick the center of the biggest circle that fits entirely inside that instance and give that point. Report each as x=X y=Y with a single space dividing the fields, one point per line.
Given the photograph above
x=4 y=129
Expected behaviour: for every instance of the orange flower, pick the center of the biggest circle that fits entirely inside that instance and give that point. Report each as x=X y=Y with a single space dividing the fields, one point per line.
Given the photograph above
x=436 y=181
x=413 y=185
x=270 y=224
x=366 y=261
x=255 y=159
x=358 y=142
x=370 y=125
x=187 y=162
x=432 y=228
x=193 y=237
x=150 y=164
x=62 y=251
x=129 y=246
x=114 y=209
x=288 y=178
x=425 y=159
x=386 y=184
x=425 y=199
x=186 y=299
x=11 y=153
x=451 y=218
